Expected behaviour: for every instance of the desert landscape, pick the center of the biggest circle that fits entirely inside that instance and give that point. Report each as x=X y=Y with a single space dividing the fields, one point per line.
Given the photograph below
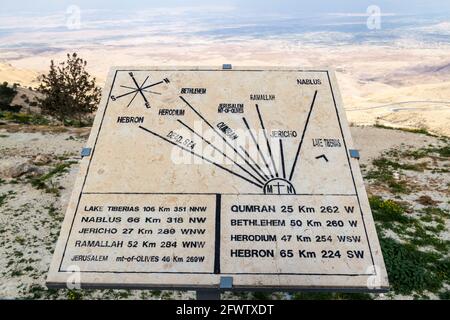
x=396 y=90
x=395 y=75
x=379 y=85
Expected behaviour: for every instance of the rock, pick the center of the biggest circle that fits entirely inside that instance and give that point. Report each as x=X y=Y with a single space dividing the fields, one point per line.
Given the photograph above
x=426 y=201
x=26 y=168
x=42 y=159
x=11 y=169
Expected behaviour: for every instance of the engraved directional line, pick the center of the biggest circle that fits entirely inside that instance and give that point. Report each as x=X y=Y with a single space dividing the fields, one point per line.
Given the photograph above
x=303 y=136
x=155 y=84
x=220 y=151
x=202 y=157
x=135 y=90
x=254 y=162
x=132 y=99
x=218 y=133
x=267 y=140
x=257 y=147
x=154 y=92
x=282 y=159
x=139 y=90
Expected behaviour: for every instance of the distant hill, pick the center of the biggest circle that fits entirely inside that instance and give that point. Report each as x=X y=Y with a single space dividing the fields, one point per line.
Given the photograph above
x=11 y=74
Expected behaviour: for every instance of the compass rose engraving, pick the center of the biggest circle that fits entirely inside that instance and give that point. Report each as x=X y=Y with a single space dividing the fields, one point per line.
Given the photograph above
x=139 y=90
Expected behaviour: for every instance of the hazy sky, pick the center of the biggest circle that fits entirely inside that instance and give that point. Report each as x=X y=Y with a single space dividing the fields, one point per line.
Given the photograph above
x=245 y=6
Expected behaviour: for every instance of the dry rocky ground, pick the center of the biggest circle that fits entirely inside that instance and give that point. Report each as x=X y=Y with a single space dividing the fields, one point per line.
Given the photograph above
x=406 y=174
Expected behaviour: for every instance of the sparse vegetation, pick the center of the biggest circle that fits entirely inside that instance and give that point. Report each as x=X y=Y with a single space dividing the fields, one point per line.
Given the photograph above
x=44 y=181
x=383 y=174
x=7 y=94
x=54 y=213
x=24 y=118
x=389 y=169
x=74 y=295
x=387 y=211
x=411 y=268
x=69 y=92
x=2 y=199
x=417 y=259
x=4 y=196
x=411 y=130
x=432 y=151
x=444 y=295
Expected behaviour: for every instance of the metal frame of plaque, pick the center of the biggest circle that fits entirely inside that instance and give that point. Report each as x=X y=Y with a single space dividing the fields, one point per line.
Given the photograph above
x=209 y=178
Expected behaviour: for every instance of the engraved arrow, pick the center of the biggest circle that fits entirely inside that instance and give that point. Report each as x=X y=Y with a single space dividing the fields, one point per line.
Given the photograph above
x=322 y=156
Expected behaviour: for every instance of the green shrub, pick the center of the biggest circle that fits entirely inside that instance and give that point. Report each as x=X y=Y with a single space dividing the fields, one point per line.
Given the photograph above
x=68 y=90
x=411 y=270
x=41 y=182
x=7 y=94
x=386 y=211
x=24 y=118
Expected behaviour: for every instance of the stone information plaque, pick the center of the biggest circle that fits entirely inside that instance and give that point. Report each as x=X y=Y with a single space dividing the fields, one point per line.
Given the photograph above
x=195 y=175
